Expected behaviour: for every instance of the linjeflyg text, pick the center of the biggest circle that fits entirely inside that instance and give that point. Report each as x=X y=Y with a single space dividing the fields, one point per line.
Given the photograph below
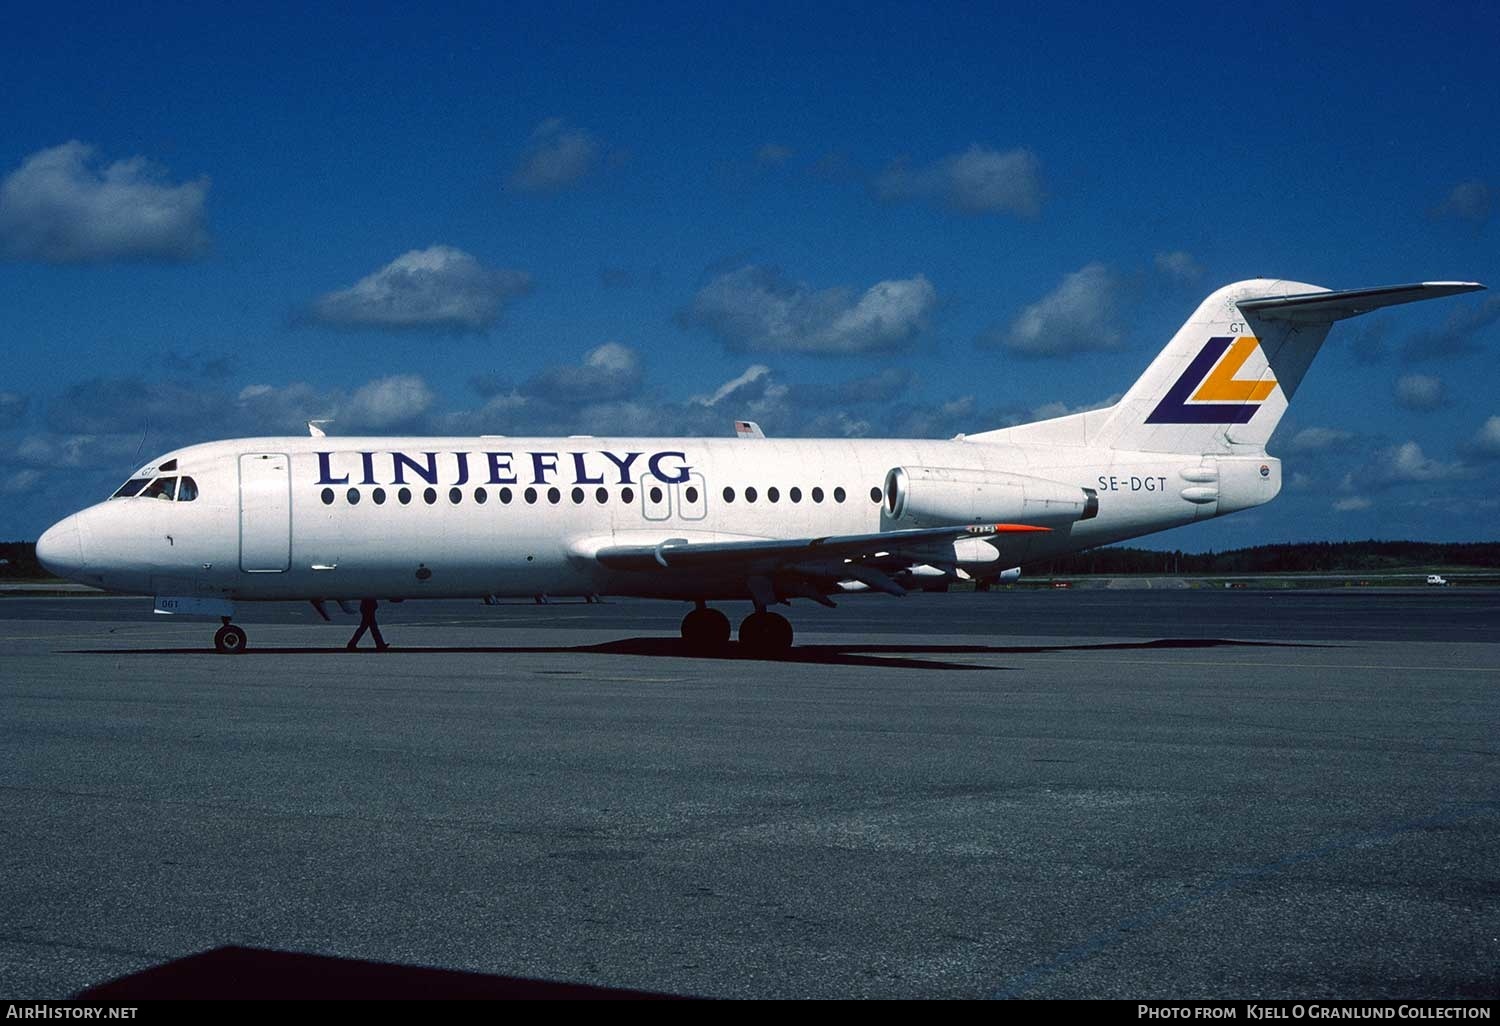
x=595 y=466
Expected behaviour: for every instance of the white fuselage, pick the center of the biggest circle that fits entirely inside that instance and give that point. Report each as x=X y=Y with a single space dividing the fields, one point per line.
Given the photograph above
x=324 y=518
x=313 y=517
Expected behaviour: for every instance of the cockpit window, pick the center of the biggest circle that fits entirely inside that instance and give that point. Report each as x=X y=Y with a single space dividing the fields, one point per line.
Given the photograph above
x=131 y=487
x=187 y=491
x=161 y=488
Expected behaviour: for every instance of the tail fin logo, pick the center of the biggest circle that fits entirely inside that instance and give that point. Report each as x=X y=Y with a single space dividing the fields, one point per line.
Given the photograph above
x=1208 y=391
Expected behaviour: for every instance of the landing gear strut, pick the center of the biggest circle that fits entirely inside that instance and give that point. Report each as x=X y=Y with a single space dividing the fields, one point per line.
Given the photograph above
x=705 y=630
x=230 y=639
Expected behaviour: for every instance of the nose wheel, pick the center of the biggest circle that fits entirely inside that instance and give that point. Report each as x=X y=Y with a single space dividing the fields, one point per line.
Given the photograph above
x=765 y=633
x=230 y=639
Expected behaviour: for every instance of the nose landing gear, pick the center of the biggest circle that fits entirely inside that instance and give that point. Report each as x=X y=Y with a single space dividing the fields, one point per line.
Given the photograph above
x=230 y=639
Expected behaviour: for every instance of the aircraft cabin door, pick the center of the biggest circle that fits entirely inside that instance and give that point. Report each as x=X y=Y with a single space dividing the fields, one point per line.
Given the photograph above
x=265 y=512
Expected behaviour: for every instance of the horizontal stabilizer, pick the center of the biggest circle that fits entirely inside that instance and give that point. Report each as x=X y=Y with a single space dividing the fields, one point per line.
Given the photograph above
x=1326 y=307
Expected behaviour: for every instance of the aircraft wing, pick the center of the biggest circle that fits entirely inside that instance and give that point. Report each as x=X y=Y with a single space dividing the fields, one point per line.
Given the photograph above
x=833 y=556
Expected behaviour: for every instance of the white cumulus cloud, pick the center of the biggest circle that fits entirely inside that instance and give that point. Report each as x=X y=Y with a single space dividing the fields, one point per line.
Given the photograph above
x=1407 y=462
x=51 y=451
x=980 y=180
x=1419 y=391
x=397 y=401
x=61 y=206
x=1467 y=201
x=557 y=157
x=758 y=309
x=1313 y=439
x=439 y=288
x=1081 y=315
x=1486 y=441
x=19 y=482
x=1179 y=264
x=610 y=371
x=387 y=402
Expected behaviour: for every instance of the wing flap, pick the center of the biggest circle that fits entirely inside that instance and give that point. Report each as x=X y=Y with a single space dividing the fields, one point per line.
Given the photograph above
x=675 y=553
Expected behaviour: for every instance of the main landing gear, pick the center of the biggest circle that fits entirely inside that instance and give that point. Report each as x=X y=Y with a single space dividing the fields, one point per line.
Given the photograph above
x=765 y=633
x=705 y=630
x=761 y=633
x=230 y=639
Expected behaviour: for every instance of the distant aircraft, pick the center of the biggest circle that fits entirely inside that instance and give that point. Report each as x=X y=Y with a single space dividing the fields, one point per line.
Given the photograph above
x=765 y=519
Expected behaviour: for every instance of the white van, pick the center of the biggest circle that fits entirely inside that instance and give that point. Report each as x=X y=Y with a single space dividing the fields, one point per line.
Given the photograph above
x=1437 y=579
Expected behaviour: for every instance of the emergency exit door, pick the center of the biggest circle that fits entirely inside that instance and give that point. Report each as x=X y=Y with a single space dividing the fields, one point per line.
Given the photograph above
x=265 y=512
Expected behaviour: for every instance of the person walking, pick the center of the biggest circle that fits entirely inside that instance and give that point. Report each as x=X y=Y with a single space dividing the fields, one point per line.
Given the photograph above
x=367 y=623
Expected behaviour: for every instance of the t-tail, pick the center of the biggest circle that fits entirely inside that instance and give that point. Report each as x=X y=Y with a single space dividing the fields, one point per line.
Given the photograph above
x=1226 y=378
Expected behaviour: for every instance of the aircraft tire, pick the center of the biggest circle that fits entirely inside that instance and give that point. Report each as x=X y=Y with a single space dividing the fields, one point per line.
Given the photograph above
x=230 y=639
x=705 y=630
x=766 y=633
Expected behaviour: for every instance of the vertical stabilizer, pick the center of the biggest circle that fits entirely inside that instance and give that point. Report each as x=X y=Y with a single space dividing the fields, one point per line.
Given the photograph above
x=1224 y=381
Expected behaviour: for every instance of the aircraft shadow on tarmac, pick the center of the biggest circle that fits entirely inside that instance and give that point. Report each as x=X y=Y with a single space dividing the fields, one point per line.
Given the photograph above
x=892 y=656
x=242 y=974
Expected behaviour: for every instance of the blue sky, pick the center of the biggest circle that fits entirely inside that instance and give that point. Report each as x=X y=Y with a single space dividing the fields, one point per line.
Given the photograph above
x=836 y=219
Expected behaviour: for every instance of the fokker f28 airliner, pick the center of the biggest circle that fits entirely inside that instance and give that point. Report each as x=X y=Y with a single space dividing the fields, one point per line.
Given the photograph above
x=769 y=520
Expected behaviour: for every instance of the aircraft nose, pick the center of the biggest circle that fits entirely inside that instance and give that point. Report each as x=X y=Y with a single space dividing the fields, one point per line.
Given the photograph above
x=60 y=548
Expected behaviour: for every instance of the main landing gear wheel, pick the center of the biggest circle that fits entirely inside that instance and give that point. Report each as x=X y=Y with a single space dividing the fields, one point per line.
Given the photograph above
x=231 y=639
x=705 y=630
x=766 y=633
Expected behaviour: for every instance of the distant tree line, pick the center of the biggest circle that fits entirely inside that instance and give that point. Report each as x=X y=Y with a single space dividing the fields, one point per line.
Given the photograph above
x=20 y=561
x=1303 y=557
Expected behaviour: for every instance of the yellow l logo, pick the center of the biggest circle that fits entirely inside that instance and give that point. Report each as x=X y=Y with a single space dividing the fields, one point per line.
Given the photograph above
x=1222 y=386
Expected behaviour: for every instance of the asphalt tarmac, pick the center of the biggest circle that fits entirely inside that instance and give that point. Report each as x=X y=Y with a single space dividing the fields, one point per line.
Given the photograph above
x=1073 y=793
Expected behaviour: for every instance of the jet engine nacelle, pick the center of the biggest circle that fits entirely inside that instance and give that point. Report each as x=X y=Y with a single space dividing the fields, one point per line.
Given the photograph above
x=938 y=496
